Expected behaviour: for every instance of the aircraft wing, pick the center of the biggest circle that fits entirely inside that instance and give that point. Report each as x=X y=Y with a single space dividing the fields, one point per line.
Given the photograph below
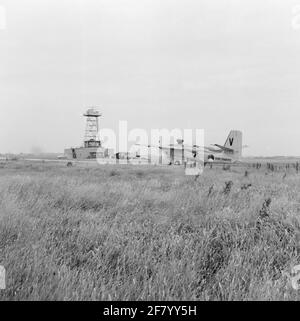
x=186 y=148
x=225 y=149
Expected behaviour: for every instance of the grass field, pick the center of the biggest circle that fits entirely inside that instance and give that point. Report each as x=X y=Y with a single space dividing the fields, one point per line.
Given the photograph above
x=147 y=233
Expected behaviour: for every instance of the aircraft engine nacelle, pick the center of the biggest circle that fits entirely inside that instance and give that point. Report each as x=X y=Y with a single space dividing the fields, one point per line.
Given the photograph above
x=210 y=158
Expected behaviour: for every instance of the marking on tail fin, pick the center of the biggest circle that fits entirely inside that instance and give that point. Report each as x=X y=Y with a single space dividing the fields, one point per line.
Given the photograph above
x=231 y=141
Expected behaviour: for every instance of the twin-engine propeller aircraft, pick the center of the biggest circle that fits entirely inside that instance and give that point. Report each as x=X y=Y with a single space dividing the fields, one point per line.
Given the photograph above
x=230 y=152
x=179 y=153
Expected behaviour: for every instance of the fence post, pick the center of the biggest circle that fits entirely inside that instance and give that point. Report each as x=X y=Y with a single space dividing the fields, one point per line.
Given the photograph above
x=160 y=150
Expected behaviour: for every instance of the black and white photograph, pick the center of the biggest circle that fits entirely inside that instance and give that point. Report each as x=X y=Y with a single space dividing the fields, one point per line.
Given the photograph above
x=150 y=152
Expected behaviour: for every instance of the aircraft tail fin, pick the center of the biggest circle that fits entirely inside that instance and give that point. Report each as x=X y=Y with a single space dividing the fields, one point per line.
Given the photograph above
x=234 y=142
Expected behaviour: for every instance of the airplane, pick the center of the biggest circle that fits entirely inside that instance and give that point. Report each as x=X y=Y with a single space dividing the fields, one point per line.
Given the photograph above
x=230 y=152
x=179 y=154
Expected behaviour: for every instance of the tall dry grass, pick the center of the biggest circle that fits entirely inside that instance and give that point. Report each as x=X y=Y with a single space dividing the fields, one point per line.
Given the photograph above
x=147 y=233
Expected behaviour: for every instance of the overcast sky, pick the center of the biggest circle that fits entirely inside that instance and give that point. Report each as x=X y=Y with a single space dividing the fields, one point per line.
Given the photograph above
x=209 y=64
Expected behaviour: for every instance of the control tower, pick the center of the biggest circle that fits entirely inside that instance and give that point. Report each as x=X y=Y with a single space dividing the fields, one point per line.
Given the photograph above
x=91 y=138
x=92 y=147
